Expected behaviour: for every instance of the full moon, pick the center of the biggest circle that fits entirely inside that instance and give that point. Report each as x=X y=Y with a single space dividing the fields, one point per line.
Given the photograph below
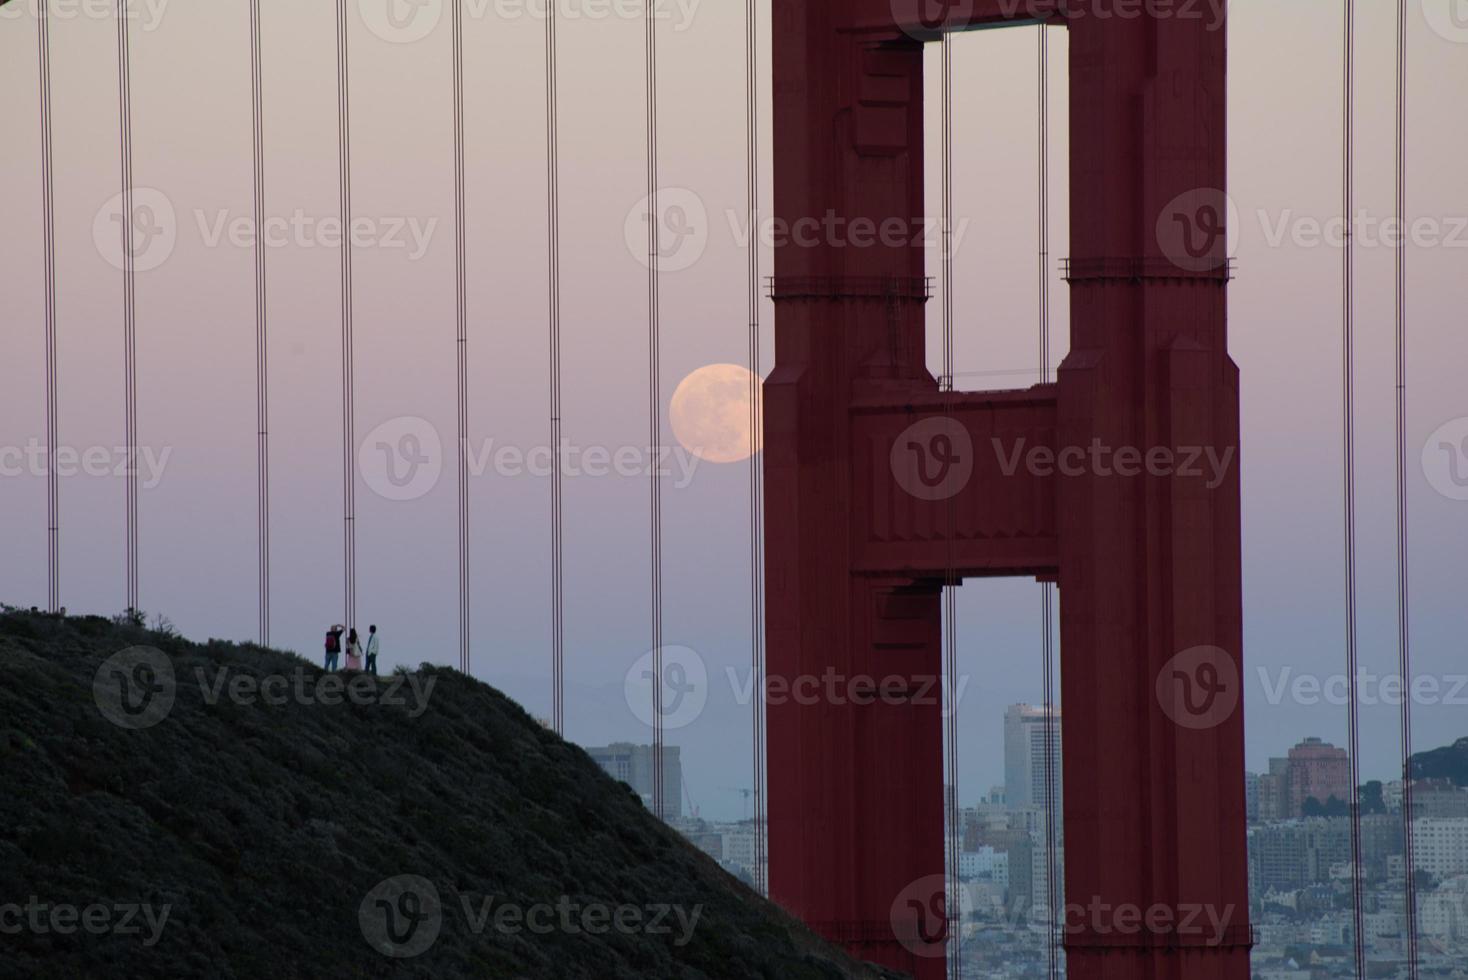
x=710 y=413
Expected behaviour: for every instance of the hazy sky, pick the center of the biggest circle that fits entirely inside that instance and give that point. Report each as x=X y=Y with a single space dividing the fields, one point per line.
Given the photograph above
x=196 y=341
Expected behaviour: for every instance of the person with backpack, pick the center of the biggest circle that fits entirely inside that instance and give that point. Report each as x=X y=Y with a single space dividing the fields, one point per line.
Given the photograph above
x=333 y=647
x=373 y=647
x=354 y=651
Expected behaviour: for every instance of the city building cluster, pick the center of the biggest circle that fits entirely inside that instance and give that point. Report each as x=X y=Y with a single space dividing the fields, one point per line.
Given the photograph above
x=1300 y=860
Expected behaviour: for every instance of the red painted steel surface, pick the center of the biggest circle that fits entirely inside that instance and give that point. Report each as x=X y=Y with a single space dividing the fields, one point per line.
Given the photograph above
x=871 y=495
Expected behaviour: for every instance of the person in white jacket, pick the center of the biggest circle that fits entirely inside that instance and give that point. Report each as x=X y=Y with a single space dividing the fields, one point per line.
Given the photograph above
x=373 y=646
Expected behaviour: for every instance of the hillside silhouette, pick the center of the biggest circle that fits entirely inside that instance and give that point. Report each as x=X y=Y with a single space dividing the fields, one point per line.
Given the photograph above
x=1448 y=763
x=254 y=831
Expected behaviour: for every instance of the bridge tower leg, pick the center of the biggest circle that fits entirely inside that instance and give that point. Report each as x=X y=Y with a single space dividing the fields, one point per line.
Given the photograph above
x=1150 y=580
x=855 y=783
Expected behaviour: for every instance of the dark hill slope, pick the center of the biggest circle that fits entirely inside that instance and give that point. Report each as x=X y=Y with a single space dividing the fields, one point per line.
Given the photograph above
x=1449 y=762
x=266 y=831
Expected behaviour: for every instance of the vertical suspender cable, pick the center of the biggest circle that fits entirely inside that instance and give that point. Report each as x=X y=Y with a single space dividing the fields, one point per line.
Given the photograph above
x=1404 y=608
x=654 y=401
x=262 y=350
x=553 y=255
x=349 y=397
x=129 y=297
x=1047 y=589
x=1348 y=411
x=461 y=344
x=48 y=231
x=756 y=423
x=953 y=899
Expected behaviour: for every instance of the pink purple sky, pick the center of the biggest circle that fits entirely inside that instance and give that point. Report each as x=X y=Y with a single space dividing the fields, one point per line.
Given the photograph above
x=196 y=341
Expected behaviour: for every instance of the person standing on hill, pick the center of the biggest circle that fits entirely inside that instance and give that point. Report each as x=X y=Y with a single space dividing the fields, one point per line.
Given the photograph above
x=354 y=651
x=333 y=647
x=374 y=645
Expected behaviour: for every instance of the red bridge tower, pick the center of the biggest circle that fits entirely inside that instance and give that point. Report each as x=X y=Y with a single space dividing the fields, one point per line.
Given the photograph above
x=877 y=483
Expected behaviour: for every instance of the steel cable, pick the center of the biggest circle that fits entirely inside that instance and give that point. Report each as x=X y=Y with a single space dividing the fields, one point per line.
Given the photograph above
x=129 y=298
x=48 y=231
x=262 y=349
x=1348 y=411
x=349 y=398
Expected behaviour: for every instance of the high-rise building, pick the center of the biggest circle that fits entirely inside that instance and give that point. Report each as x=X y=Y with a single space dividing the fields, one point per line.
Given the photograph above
x=1024 y=755
x=1251 y=796
x=1445 y=913
x=1313 y=770
x=1442 y=846
x=1297 y=854
x=633 y=765
x=1438 y=799
x=740 y=851
x=985 y=862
